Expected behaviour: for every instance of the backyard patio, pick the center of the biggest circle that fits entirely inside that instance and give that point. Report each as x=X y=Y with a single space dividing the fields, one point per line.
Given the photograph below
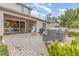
x=25 y=45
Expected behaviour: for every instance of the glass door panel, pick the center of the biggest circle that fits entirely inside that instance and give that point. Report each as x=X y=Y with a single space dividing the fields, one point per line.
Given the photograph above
x=22 y=26
x=11 y=26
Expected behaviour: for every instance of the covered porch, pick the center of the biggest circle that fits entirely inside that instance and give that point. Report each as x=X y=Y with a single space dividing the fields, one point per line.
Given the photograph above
x=14 y=24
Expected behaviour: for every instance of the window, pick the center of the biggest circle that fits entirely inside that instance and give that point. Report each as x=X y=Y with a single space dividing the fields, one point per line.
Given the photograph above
x=7 y=24
x=22 y=9
x=15 y=24
x=44 y=25
x=11 y=26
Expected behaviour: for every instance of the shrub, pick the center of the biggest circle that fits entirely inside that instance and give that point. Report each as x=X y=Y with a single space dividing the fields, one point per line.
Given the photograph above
x=3 y=50
x=57 y=49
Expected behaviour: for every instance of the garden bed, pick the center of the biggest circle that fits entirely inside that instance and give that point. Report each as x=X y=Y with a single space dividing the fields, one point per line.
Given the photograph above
x=57 y=49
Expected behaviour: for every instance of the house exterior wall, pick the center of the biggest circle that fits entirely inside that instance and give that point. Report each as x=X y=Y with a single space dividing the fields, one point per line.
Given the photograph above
x=1 y=23
x=2 y=18
x=39 y=25
x=18 y=15
x=51 y=25
x=47 y=25
x=15 y=7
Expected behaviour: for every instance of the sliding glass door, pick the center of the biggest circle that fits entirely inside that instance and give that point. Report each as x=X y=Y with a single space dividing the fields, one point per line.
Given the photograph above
x=11 y=26
x=22 y=26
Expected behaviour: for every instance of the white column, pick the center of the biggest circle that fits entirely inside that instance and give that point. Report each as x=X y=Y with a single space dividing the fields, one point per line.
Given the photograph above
x=1 y=23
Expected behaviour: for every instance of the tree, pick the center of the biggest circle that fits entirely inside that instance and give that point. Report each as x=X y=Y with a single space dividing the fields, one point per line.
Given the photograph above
x=53 y=20
x=70 y=18
x=48 y=17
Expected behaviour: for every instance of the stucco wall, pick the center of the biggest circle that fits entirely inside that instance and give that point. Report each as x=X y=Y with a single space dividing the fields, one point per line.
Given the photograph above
x=47 y=25
x=39 y=25
x=15 y=7
x=1 y=23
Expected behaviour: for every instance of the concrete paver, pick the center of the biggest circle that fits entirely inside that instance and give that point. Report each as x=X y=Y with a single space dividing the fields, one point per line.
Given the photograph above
x=25 y=45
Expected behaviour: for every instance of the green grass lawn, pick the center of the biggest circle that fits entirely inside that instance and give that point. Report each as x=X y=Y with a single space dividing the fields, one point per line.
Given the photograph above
x=75 y=36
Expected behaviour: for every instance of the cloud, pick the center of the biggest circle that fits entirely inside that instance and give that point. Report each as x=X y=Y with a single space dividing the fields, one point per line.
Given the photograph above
x=41 y=8
x=35 y=3
x=49 y=10
x=49 y=4
x=37 y=14
x=46 y=8
x=61 y=11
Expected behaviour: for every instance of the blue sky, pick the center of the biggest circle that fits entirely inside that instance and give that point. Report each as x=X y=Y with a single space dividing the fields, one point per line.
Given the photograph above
x=40 y=10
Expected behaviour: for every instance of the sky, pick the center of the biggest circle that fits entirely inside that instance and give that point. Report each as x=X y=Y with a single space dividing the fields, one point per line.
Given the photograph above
x=40 y=10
